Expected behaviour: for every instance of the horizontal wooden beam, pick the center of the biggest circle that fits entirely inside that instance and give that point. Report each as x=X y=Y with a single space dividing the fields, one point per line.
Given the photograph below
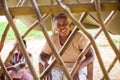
x=75 y=8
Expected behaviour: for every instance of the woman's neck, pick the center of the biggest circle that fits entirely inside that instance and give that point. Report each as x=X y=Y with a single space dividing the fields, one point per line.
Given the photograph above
x=63 y=39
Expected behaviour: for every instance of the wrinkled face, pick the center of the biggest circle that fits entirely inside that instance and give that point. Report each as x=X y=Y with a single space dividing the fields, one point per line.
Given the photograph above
x=63 y=27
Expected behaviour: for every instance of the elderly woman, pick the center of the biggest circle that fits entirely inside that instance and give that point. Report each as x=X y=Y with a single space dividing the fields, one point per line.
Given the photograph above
x=62 y=31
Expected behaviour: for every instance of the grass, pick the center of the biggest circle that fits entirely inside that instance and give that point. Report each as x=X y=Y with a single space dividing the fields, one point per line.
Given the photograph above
x=34 y=34
x=104 y=42
x=21 y=28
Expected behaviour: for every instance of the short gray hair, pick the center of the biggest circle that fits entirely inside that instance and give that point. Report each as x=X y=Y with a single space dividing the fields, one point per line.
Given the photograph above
x=60 y=15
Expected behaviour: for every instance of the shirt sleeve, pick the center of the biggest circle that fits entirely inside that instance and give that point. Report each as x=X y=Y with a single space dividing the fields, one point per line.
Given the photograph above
x=46 y=47
x=83 y=41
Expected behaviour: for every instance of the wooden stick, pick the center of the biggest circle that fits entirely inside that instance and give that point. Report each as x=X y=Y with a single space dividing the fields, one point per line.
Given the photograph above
x=66 y=44
x=8 y=16
x=4 y=70
x=98 y=9
x=48 y=69
x=55 y=52
x=23 y=36
x=4 y=36
x=6 y=31
x=81 y=27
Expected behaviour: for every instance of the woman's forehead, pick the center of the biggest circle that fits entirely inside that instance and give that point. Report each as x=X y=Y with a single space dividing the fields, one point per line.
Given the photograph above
x=61 y=20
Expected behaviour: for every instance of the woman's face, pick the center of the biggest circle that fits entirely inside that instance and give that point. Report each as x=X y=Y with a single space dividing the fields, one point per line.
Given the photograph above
x=19 y=49
x=63 y=27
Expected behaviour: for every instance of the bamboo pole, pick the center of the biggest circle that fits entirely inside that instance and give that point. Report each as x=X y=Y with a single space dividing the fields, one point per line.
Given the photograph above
x=8 y=27
x=98 y=9
x=43 y=28
x=8 y=16
x=106 y=22
x=3 y=40
x=6 y=31
x=80 y=26
x=111 y=66
x=117 y=52
x=113 y=13
x=4 y=37
x=23 y=36
x=15 y=46
x=20 y=3
x=4 y=70
x=48 y=69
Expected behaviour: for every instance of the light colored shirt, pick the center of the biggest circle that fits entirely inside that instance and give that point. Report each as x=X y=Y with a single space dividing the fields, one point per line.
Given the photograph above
x=73 y=50
x=18 y=60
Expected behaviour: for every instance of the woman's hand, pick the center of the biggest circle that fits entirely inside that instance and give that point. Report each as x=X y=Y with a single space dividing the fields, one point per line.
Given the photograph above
x=12 y=68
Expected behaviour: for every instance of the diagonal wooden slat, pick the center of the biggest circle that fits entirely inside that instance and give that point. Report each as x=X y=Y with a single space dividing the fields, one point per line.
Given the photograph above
x=98 y=9
x=8 y=16
x=66 y=44
x=106 y=22
x=43 y=28
x=81 y=27
x=48 y=69
x=117 y=52
x=23 y=36
x=7 y=29
x=4 y=37
x=109 y=9
x=4 y=70
x=20 y=3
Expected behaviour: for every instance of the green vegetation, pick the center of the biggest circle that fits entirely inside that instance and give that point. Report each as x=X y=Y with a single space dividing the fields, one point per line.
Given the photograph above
x=34 y=34
x=21 y=28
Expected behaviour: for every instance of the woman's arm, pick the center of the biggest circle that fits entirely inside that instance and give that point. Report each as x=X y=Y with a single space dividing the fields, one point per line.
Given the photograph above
x=17 y=66
x=20 y=65
x=89 y=57
x=88 y=61
x=43 y=61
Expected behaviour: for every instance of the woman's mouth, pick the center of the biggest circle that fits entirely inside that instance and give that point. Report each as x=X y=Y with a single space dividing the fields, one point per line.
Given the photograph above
x=63 y=31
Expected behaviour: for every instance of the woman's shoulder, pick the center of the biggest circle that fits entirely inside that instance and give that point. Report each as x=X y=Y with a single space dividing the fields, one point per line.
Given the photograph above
x=79 y=34
x=54 y=36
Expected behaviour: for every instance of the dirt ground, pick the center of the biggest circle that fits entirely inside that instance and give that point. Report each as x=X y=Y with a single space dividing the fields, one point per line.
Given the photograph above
x=107 y=54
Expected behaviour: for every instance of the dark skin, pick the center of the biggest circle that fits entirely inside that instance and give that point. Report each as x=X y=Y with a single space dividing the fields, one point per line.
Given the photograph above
x=45 y=57
x=87 y=61
x=64 y=29
x=22 y=64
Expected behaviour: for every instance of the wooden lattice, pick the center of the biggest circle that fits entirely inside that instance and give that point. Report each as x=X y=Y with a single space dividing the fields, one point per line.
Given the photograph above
x=44 y=11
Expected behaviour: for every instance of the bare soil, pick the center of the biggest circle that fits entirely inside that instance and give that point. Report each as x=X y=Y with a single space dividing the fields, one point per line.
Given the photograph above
x=106 y=52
